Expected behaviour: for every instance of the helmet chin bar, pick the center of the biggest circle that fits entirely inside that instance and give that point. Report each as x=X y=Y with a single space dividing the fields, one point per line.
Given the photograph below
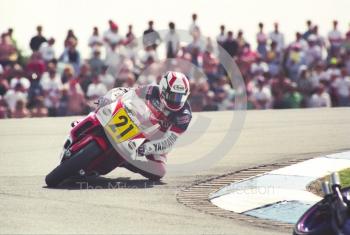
x=174 y=109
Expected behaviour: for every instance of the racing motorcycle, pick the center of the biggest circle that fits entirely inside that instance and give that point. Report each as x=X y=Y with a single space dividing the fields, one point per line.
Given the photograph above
x=105 y=139
x=330 y=216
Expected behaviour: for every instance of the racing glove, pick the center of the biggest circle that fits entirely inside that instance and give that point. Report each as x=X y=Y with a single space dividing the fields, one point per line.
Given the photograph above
x=160 y=146
x=144 y=149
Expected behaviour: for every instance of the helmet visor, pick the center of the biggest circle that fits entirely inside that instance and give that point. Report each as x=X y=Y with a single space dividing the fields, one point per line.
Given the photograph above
x=175 y=100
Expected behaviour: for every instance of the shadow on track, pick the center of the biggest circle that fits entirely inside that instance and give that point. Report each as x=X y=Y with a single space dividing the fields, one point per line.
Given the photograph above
x=91 y=183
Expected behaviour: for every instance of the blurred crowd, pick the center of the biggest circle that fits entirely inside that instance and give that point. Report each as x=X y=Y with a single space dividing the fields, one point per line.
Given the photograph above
x=311 y=71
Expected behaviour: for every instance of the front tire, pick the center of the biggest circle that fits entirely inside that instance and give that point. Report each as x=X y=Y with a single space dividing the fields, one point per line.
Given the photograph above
x=71 y=166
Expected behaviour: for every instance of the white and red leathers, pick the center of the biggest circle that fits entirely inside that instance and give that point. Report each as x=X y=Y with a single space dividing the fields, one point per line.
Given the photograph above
x=172 y=124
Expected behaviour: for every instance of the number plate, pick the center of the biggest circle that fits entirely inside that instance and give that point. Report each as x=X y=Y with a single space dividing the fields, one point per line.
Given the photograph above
x=121 y=127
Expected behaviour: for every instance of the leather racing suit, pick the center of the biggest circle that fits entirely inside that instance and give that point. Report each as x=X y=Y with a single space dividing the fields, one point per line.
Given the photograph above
x=172 y=124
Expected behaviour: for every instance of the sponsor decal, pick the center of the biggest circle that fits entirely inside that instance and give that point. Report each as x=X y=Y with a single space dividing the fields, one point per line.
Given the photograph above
x=179 y=87
x=166 y=144
x=131 y=145
x=107 y=112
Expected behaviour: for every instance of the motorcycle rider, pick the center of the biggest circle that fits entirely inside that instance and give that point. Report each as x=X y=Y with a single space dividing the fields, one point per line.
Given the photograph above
x=168 y=103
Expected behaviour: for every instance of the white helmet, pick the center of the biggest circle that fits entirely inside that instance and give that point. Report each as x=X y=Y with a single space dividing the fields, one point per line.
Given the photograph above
x=174 y=90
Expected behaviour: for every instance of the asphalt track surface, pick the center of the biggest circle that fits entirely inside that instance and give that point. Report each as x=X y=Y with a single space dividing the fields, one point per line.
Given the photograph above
x=29 y=150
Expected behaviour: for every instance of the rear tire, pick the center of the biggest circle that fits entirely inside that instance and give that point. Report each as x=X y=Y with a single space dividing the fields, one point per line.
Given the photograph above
x=71 y=166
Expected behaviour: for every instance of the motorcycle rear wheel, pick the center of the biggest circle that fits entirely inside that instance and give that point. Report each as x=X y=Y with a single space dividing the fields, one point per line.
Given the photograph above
x=71 y=166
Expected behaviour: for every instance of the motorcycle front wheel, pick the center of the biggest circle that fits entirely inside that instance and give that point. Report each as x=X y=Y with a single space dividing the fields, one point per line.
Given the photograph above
x=73 y=165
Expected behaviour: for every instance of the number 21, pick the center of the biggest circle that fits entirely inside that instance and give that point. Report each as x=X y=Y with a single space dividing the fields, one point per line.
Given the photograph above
x=124 y=121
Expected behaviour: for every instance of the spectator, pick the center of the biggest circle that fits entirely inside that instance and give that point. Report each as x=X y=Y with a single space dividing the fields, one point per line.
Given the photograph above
x=221 y=38
x=151 y=38
x=96 y=63
x=210 y=66
x=196 y=47
x=274 y=59
x=194 y=28
x=319 y=71
x=95 y=40
x=8 y=53
x=223 y=94
x=51 y=85
x=248 y=57
x=209 y=47
x=71 y=40
x=112 y=36
x=199 y=89
x=240 y=40
x=76 y=101
x=318 y=75
x=19 y=78
x=348 y=32
x=113 y=56
x=130 y=81
x=313 y=54
x=320 y=40
x=96 y=89
x=295 y=59
x=4 y=85
x=335 y=38
x=347 y=61
x=131 y=44
x=18 y=55
x=276 y=36
x=37 y=40
x=64 y=100
x=4 y=112
x=304 y=85
x=125 y=69
x=39 y=109
x=13 y=95
x=68 y=74
x=210 y=104
x=71 y=56
x=259 y=67
x=36 y=64
x=47 y=50
x=309 y=30
x=106 y=78
x=130 y=36
x=20 y=111
x=84 y=78
x=231 y=45
x=292 y=98
x=346 y=43
x=172 y=41
x=342 y=88
x=261 y=94
x=280 y=85
x=35 y=90
x=299 y=42
x=332 y=70
x=13 y=40
x=261 y=39
x=320 y=98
